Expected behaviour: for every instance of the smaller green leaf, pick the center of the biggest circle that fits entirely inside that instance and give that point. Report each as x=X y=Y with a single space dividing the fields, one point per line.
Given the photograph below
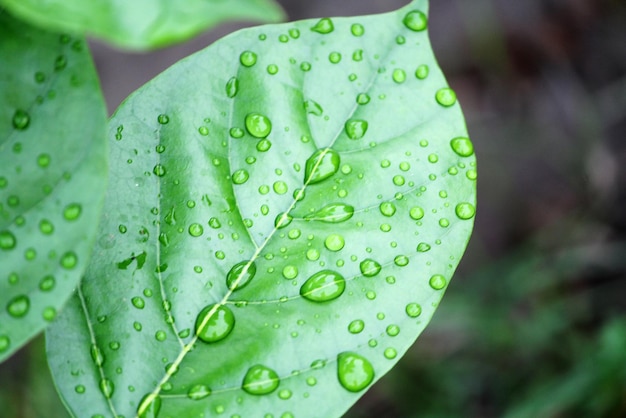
x=141 y=24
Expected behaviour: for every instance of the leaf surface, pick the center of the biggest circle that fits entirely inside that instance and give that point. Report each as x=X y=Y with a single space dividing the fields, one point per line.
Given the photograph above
x=52 y=174
x=141 y=24
x=287 y=208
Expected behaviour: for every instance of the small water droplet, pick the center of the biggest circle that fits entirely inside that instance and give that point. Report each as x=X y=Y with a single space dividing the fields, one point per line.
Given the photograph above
x=437 y=282
x=312 y=254
x=198 y=392
x=240 y=176
x=363 y=99
x=334 y=242
x=321 y=165
x=214 y=323
x=399 y=76
x=248 y=58
x=413 y=310
x=69 y=260
x=445 y=97
x=138 y=302
x=159 y=170
x=258 y=125
x=356 y=326
x=390 y=353
x=357 y=55
x=323 y=26
x=240 y=275
x=96 y=355
x=294 y=33
x=416 y=213
x=280 y=187
x=5 y=343
x=232 y=87
x=7 y=240
x=333 y=213
x=356 y=128
x=415 y=21
x=260 y=380
x=323 y=286
x=354 y=371
x=305 y=66
x=387 y=209
x=72 y=211
x=334 y=57
x=21 y=119
x=272 y=69
x=19 y=306
x=444 y=223
x=465 y=211
x=392 y=330
x=369 y=267
x=357 y=29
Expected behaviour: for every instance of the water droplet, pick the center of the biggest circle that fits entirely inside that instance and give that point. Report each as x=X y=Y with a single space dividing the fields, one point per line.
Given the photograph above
x=323 y=286
x=240 y=275
x=159 y=170
x=369 y=267
x=198 y=392
x=18 y=306
x=149 y=407
x=69 y=260
x=354 y=371
x=160 y=335
x=214 y=323
x=240 y=176
x=462 y=146
x=390 y=353
x=363 y=99
x=79 y=389
x=437 y=282
x=248 y=58
x=357 y=29
x=393 y=330
x=321 y=165
x=280 y=187
x=323 y=26
x=138 y=302
x=446 y=97
x=43 y=160
x=7 y=240
x=5 y=343
x=290 y=272
x=272 y=69
x=416 y=213
x=387 y=209
x=444 y=223
x=312 y=107
x=356 y=326
x=423 y=247
x=21 y=119
x=413 y=310
x=334 y=242
x=398 y=180
x=357 y=55
x=305 y=66
x=107 y=388
x=465 y=210
x=399 y=76
x=294 y=33
x=356 y=128
x=258 y=125
x=333 y=213
x=415 y=21
x=401 y=260
x=96 y=355
x=260 y=380
x=72 y=211
x=232 y=87
x=312 y=254
x=334 y=57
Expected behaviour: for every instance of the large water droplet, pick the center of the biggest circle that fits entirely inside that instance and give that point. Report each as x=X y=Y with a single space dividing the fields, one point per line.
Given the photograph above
x=415 y=21
x=321 y=165
x=413 y=310
x=260 y=380
x=323 y=26
x=323 y=286
x=198 y=392
x=369 y=267
x=354 y=371
x=387 y=209
x=446 y=97
x=214 y=323
x=240 y=275
x=437 y=282
x=240 y=176
x=258 y=125
x=416 y=213
x=333 y=213
x=18 y=306
x=21 y=119
x=7 y=240
x=465 y=210
x=356 y=128
x=462 y=146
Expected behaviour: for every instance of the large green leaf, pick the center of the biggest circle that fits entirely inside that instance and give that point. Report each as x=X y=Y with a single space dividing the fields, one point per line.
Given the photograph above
x=52 y=174
x=285 y=212
x=141 y=24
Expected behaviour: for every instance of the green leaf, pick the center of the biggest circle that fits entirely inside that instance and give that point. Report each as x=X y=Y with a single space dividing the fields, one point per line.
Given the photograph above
x=141 y=24
x=52 y=174
x=298 y=219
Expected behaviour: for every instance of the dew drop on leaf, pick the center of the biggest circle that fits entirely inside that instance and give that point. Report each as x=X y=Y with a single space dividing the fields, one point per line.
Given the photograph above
x=369 y=267
x=399 y=76
x=465 y=211
x=72 y=211
x=149 y=407
x=363 y=99
x=323 y=26
x=357 y=29
x=19 y=306
x=312 y=107
x=354 y=371
x=445 y=97
x=422 y=72
x=356 y=128
x=321 y=165
x=333 y=213
x=198 y=392
x=240 y=275
x=248 y=58
x=96 y=355
x=387 y=209
x=107 y=387
x=390 y=353
x=7 y=240
x=21 y=119
x=415 y=21
x=232 y=87
x=437 y=282
x=334 y=242
x=214 y=323
x=462 y=146
x=5 y=343
x=258 y=125
x=159 y=170
x=260 y=380
x=416 y=213
x=423 y=247
x=138 y=302
x=240 y=176
x=69 y=260
x=323 y=286
x=413 y=310
x=356 y=326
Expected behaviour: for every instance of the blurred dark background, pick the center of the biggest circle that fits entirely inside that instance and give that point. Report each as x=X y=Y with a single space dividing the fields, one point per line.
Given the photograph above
x=534 y=323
